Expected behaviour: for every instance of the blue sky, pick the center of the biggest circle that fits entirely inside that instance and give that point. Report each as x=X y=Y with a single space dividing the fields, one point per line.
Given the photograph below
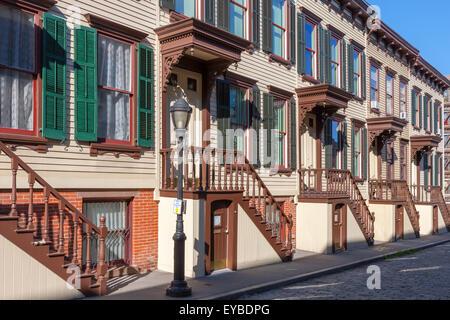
x=424 y=24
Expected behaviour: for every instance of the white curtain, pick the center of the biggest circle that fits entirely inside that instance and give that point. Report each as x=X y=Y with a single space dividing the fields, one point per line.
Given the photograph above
x=114 y=72
x=17 y=44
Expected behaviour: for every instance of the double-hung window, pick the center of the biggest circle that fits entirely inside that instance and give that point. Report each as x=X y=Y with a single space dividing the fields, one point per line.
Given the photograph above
x=335 y=58
x=418 y=109
x=337 y=144
x=310 y=48
x=357 y=73
x=403 y=108
x=186 y=7
x=389 y=94
x=17 y=70
x=238 y=17
x=374 y=87
x=279 y=130
x=403 y=157
x=429 y=110
x=279 y=27
x=115 y=90
x=357 y=152
x=238 y=116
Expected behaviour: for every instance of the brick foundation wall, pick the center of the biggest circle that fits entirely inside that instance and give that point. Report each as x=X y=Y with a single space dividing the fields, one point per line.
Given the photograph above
x=289 y=207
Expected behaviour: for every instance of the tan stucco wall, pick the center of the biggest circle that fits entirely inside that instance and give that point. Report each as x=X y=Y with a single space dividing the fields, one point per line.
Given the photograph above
x=252 y=248
x=194 y=227
x=384 y=226
x=24 y=278
x=408 y=230
x=314 y=227
x=426 y=219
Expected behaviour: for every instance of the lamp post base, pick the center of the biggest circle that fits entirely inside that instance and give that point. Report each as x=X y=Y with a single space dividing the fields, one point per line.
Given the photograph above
x=178 y=288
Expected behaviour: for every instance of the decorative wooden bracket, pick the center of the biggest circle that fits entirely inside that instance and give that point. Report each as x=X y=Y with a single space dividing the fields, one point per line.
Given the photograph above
x=169 y=61
x=303 y=109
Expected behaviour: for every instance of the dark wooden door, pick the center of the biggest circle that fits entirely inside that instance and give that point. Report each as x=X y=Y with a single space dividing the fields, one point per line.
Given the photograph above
x=220 y=235
x=399 y=216
x=435 y=220
x=339 y=229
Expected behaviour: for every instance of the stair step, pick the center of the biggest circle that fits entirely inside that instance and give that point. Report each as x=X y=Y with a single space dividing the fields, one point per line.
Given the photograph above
x=26 y=230
x=56 y=254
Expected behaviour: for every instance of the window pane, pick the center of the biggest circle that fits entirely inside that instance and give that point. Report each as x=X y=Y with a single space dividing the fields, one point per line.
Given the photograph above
x=278 y=42
x=309 y=63
x=17 y=38
x=374 y=77
x=279 y=120
x=334 y=74
x=356 y=84
x=310 y=39
x=114 y=65
x=278 y=12
x=389 y=85
x=186 y=7
x=237 y=18
x=355 y=62
x=334 y=50
x=373 y=94
x=279 y=125
x=16 y=100
x=113 y=115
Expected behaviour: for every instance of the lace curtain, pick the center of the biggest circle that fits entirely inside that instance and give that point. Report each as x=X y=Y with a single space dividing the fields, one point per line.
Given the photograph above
x=17 y=45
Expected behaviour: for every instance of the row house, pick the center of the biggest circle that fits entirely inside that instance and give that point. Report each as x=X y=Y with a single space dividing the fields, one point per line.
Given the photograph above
x=310 y=129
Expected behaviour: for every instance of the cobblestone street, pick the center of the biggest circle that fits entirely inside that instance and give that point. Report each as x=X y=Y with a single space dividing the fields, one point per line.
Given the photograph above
x=421 y=275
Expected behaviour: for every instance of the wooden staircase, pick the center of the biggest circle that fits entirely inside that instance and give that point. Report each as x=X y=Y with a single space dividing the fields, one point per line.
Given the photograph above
x=438 y=197
x=338 y=184
x=221 y=171
x=56 y=241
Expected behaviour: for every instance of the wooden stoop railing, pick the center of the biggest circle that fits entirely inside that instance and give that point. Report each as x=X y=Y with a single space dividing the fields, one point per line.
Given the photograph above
x=221 y=171
x=335 y=183
x=438 y=197
x=397 y=191
x=64 y=249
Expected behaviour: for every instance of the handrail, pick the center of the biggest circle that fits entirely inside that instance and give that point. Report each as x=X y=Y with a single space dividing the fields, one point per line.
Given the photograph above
x=26 y=220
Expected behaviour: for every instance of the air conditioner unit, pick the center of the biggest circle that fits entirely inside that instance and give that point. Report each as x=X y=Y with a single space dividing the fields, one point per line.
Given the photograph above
x=375 y=105
x=404 y=115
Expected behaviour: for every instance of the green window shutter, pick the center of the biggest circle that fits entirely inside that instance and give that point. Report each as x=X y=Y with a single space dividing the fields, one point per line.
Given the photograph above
x=425 y=169
x=256 y=23
x=300 y=43
x=363 y=76
x=436 y=170
x=413 y=107
x=293 y=137
x=425 y=112
x=350 y=49
x=436 y=117
x=223 y=110
x=169 y=4
x=267 y=25
x=321 y=53
x=441 y=176
x=54 y=77
x=327 y=56
x=85 y=83
x=364 y=153
x=223 y=14
x=146 y=99
x=292 y=31
x=344 y=146
x=353 y=150
x=256 y=125
x=328 y=144
x=343 y=65
x=210 y=6
x=268 y=126
x=421 y=101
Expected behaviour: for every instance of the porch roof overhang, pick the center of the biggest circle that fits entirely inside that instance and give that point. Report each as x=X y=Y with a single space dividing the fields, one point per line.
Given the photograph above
x=217 y=49
x=424 y=143
x=326 y=97
x=385 y=127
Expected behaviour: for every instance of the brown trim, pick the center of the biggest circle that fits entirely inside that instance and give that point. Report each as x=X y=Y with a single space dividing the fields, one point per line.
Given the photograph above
x=308 y=78
x=239 y=80
x=358 y=122
x=336 y=31
x=280 y=93
x=316 y=19
x=110 y=195
x=374 y=62
x=175 y=16
x=35 y=143
x=115 y=28
x=390 y=71
x=284 y=62
x=418 y=90
x=35 y=5
x=357 y=45
x=116 y=149
x=404 y=80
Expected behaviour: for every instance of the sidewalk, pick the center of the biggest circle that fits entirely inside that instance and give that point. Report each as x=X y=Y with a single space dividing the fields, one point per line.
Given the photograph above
x=230 y=285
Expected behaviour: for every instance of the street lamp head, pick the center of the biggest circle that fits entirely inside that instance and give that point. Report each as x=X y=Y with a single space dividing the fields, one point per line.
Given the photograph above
x=181 y=113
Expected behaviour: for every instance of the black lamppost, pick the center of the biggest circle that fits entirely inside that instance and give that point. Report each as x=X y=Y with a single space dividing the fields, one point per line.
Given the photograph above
x=181 y=114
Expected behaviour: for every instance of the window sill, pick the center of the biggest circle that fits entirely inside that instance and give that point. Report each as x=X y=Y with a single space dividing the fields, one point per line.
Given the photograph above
x=377 y=111
x=359 y=99
x=310 y=79
x=281 y=171
x=116 y=149
x=37 y=144
x=416 y=128
x=280 y=60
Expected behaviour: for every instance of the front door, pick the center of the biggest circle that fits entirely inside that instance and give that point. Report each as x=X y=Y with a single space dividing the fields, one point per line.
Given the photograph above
x=435 y=220
x=339 y=228
x=399 y=223
x=219 y=235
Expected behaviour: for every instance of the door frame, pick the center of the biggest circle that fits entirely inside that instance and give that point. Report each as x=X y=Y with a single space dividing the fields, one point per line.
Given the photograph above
x=343 y=234
x=219 y=205
x=435 y=220
x=399 y=222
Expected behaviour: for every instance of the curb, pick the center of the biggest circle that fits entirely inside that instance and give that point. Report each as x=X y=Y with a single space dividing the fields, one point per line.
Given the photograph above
x=231 y=295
